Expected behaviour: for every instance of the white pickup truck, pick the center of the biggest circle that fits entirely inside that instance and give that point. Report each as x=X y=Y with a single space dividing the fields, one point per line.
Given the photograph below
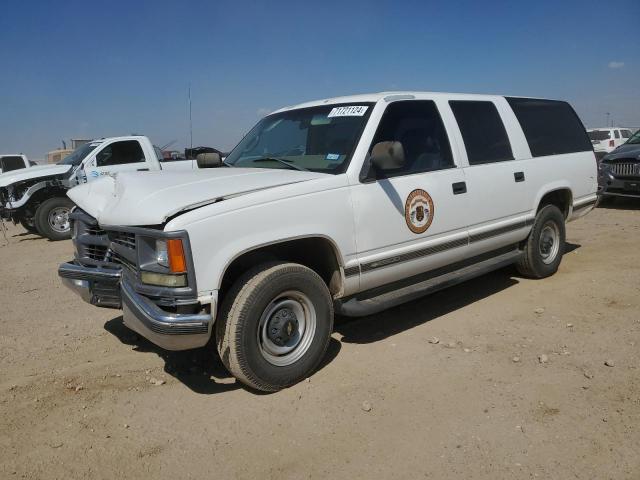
x=347 y=205
x=9 y=163
x=36 y=197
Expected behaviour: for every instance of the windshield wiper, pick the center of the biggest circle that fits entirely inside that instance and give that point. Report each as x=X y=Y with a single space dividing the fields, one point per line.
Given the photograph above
x=282 y=161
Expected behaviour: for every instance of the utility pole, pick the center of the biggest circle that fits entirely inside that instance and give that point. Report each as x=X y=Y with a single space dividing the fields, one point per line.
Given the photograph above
x=608 y=114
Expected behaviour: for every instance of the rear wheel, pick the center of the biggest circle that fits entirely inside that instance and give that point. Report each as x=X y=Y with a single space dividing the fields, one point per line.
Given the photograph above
x=544 y=247
x=52 y=218
x=275 y=325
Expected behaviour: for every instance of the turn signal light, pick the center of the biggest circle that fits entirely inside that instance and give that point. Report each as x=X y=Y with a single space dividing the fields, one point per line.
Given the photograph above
x=177 y=260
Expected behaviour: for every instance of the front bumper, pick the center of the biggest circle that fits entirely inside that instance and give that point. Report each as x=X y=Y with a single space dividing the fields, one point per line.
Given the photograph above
x=609 y=185
x=106 y=287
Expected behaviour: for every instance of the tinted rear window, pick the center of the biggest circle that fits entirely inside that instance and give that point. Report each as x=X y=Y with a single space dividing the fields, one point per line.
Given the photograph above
x=485 y=138
x=550 y=126
x=598 y=135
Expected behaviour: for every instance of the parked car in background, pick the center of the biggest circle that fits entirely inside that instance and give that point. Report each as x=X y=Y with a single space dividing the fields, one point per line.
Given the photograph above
x=605 y=140
x=8 y=163
x=349 y=205
x=37 y=197
x=619 y=171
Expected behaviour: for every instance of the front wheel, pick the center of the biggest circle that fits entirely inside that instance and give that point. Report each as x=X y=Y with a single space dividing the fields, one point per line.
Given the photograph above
x=544 y=248
x=52 y=218
x=29 y=224
x=275 y=325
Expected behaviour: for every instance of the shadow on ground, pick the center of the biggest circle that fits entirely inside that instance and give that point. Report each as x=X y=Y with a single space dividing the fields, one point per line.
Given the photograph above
x=409 y=315
x=620 y=203
x=201 y=369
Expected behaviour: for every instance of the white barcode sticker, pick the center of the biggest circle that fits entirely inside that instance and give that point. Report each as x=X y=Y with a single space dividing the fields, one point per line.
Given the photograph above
x=350 y=111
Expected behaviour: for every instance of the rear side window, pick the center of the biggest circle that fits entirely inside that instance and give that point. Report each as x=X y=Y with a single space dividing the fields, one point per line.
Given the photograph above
x=550 y=126
x=485 y=138
x=599 y=135
x=616 y=133
x=418 y=126
x=11 y=162
x=626 y=133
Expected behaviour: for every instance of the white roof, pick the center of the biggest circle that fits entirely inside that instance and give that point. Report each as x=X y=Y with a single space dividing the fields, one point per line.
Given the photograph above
x=376 y=97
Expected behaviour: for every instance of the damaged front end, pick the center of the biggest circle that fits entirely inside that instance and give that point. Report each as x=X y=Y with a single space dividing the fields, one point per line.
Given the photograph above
x=127 y=268
x=20 y=200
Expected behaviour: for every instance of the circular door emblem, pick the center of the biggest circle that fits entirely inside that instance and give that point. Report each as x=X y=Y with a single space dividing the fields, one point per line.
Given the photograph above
x=418 y=211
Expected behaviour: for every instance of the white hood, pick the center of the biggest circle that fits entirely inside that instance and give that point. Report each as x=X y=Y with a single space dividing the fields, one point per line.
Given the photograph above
x=39 y=171
x=149 y=198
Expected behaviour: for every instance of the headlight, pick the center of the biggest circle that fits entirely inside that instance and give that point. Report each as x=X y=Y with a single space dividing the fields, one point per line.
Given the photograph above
x=162 y=256
x=162 y=262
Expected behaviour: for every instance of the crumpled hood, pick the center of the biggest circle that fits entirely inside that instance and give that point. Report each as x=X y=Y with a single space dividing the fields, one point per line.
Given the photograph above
x=29 y=173
x=624 y=151
x=150 y=198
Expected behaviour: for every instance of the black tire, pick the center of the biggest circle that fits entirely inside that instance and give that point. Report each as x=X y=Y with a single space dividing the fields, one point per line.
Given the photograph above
x=43 y=222
x=242 y=319
x=29 y=224
x=533 y=263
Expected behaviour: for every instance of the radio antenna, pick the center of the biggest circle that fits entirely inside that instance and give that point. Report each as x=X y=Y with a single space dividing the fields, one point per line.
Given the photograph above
x=190 y=121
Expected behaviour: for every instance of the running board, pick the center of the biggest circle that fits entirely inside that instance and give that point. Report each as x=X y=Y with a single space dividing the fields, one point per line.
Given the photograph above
x=354 y=307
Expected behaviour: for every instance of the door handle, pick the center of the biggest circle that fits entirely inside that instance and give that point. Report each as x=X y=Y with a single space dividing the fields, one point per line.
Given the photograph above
x=518 y=176
x=459 y=187
x=142 y=170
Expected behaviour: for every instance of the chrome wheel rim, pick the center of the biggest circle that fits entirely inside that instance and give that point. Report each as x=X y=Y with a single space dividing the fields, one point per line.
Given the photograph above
x=549 y=242
x=286 y=328
x=59 y=219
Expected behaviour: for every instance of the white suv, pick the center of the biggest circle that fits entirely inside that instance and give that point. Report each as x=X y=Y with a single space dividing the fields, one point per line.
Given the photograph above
x=348 y=205
x=605 y=140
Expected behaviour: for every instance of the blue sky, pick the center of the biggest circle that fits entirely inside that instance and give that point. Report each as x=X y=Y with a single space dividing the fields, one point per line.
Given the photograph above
x=92 y=69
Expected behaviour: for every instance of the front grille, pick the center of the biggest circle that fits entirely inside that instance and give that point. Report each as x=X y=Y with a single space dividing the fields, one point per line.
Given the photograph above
x=94 y=230
x=96 y=252
x=626 y=169
x=126 y=239
x=102 y=248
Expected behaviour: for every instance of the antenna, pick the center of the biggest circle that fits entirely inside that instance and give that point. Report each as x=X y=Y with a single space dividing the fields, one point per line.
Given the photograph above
x=190 y=121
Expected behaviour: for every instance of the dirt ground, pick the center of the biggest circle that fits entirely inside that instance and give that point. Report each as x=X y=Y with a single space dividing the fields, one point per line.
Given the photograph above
x=83 y=397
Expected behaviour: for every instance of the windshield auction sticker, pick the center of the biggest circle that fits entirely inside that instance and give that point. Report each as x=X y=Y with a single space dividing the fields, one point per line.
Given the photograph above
x=350 y=111
x=418 y=211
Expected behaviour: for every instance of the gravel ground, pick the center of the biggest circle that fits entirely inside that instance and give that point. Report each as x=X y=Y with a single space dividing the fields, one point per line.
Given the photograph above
x=499 y=377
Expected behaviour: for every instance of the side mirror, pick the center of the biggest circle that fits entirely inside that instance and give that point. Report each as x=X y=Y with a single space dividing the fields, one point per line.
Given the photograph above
x=387 y=155
x=208 y=160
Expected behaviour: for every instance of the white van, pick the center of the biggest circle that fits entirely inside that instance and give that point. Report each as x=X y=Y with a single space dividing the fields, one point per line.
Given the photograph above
x=348 y=205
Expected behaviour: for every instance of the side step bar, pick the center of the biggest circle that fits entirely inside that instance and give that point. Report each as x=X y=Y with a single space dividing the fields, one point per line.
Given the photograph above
x=354 y=307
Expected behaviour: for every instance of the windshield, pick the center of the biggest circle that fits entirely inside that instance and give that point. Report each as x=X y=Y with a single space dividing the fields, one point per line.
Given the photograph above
x=79 y=154
x=635 y=138
x=599 y=134
x=319 y=139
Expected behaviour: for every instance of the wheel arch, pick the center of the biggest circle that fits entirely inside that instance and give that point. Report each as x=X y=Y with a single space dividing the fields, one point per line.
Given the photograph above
x=559 y=195
x=317 y=252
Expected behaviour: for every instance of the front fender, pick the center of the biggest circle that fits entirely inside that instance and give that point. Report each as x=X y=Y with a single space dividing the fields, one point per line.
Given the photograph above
x=219 y=239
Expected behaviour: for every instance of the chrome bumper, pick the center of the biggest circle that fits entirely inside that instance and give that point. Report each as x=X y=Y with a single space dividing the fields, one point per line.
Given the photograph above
x=106 y=288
